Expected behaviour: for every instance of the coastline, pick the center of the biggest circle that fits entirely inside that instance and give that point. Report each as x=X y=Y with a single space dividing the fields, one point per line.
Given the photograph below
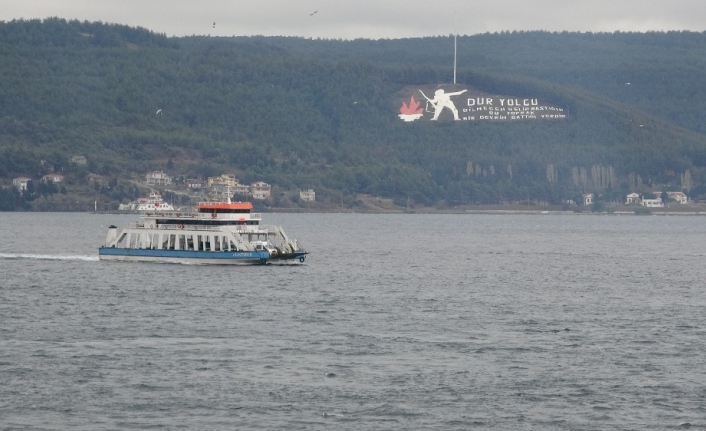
x=681 y=210
x=673 y=209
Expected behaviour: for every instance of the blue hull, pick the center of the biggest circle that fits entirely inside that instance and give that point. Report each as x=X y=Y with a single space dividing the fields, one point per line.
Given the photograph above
x=206 y=257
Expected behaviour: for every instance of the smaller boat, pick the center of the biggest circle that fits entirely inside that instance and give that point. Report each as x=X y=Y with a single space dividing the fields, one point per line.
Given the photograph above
x=152 y=203
x=215 y=233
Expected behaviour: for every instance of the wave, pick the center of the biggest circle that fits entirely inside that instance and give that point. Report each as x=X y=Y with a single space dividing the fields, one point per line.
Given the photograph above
x=47 y=256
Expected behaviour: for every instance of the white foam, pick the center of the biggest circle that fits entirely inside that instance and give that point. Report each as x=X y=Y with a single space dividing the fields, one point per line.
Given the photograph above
x=47 y=256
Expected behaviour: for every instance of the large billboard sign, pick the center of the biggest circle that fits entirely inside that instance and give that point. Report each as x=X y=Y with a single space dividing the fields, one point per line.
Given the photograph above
x=458 y=103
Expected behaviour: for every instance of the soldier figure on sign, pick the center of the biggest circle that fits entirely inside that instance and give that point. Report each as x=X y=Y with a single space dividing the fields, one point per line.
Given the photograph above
x=442 y=100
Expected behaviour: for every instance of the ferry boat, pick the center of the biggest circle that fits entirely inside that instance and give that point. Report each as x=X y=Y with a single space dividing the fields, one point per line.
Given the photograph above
x=152 y=203
x=215 y=233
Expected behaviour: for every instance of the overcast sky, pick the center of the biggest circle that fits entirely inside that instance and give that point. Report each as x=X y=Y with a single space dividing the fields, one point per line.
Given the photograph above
x=371 y=19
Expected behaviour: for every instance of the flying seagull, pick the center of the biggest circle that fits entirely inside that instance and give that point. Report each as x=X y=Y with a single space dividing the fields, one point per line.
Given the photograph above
x=159 y=112
x=214 y=25
x=312 y=14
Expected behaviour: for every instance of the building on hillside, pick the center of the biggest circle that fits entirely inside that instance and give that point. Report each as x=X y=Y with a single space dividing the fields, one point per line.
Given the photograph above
x=157 y=178
x=307 y=195
x=219 y=192
x=260 y=190
x=225 y=180
x=678 y=197
x=194 y=183
x=632 y=198
x=21 y=183
x=78 y=160
x=588 y=198
x=53 y=178
x=240 y=189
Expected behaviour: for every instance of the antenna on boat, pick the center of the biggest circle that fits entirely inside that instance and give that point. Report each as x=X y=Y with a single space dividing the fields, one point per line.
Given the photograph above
x=228 y=192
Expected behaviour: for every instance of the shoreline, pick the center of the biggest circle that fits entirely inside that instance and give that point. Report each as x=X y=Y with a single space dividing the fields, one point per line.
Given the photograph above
x=688 y=210
x=498 y=210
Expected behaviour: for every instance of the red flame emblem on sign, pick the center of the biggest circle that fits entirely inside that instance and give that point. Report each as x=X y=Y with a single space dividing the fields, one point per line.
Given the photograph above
x=411 y=109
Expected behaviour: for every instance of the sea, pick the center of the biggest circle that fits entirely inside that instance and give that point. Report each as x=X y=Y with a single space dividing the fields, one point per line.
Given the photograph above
x=395 y=321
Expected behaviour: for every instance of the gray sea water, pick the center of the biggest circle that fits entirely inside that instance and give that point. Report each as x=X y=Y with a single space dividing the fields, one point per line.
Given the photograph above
x=510 y=322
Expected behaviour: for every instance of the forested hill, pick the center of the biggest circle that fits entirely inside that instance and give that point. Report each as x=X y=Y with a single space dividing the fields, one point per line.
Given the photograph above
x=323 y=114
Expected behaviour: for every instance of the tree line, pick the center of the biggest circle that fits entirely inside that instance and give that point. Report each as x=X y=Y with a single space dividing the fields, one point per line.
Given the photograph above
x=322 y=114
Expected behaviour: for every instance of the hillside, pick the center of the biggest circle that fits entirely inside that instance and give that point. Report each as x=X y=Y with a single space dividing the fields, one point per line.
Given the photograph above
x=323 y=114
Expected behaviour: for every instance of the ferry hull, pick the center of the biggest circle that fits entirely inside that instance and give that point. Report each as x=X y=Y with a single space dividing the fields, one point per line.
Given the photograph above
x=183 y=256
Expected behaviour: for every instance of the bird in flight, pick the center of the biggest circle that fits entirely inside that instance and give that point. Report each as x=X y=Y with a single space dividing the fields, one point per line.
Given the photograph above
x=312 y=14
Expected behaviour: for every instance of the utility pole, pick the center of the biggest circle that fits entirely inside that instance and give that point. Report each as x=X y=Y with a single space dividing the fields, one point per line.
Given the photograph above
x=455 y=35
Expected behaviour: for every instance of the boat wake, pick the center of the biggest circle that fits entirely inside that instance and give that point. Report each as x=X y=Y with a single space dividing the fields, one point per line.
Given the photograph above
x=47 y=256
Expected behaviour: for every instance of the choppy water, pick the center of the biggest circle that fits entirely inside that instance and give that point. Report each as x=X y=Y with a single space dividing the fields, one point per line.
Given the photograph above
x=395 y=322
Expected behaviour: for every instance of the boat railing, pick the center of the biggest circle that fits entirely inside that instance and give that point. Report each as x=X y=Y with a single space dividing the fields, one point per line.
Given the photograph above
x=270 y=230
x=195 y=215
x=200 y=228
x=172 y=214
x=221 y=203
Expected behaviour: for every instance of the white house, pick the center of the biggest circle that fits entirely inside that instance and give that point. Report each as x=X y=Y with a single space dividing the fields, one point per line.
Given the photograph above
x=53 y=178
x=157 y=178
x=632 y=198
x=307 y=195
x=21 y=183
x=228 y=180
x=588 y=198
x=652 y=203
x=260 y=190
x=194 y=183
x=679 y=197
x=78 y=160
x=240 y=189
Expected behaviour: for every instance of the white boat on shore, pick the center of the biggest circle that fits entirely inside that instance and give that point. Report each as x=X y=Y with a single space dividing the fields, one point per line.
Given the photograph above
x=152 y=203
x=215 y=233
